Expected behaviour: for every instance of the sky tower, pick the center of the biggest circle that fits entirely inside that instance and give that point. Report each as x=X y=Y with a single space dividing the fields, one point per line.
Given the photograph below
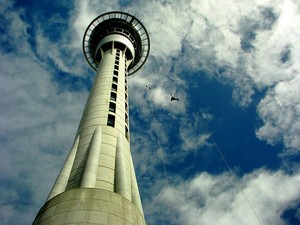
x=97 y=183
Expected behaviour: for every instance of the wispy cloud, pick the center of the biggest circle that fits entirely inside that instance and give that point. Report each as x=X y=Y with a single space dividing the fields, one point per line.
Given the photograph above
x=280 y=112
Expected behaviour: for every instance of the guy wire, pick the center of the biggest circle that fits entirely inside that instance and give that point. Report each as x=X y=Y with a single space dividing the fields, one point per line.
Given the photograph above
x=163 y=162
x=224 y=159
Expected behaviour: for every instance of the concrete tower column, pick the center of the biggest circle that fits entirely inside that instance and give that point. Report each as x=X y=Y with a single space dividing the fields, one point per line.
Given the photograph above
x=97 y=183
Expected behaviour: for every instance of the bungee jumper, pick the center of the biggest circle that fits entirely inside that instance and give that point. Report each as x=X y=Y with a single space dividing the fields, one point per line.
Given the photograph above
x=173 y=98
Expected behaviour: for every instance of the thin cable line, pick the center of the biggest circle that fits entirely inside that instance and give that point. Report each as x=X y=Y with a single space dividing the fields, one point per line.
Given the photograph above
x=218 y=150
x=163 y=162
x=224 y=159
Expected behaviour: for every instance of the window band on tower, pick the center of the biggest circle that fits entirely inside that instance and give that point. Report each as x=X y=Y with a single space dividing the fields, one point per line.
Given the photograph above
x=114 y=87
x=112 y=107
x=126 y=132
x=111 y=120
x=115 y=79
x=125 y=67
x=126 y=118
x=113 y=96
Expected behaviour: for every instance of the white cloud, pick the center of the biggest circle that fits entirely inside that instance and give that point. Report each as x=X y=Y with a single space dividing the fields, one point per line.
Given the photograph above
x=164 y=20
x=280 y=112
x=267 y=67
x=222 y=199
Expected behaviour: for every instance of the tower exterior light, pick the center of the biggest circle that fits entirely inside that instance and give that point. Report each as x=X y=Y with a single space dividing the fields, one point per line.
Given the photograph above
x=97 y=183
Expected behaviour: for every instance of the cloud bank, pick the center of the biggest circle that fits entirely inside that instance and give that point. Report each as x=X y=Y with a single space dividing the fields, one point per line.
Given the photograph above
x=223 y=199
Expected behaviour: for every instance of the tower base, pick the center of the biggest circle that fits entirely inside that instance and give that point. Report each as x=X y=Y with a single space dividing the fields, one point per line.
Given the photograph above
x=89 y=206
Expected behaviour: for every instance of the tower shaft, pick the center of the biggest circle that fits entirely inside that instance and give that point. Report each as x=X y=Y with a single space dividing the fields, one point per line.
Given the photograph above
x=97 y=183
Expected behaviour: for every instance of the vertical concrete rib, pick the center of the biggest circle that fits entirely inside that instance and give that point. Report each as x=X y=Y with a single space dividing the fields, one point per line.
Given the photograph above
x=91 y=166
x=123 y=176
x=136 y=199
x=63 y=177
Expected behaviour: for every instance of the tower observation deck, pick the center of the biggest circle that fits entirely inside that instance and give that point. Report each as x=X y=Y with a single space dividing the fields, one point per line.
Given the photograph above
x=97 y=183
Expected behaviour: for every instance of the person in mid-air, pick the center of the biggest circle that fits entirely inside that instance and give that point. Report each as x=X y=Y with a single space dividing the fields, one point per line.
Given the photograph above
x=173 y=98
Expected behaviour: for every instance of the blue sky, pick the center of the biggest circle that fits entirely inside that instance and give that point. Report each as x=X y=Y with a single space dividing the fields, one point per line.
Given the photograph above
x=233 y=65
